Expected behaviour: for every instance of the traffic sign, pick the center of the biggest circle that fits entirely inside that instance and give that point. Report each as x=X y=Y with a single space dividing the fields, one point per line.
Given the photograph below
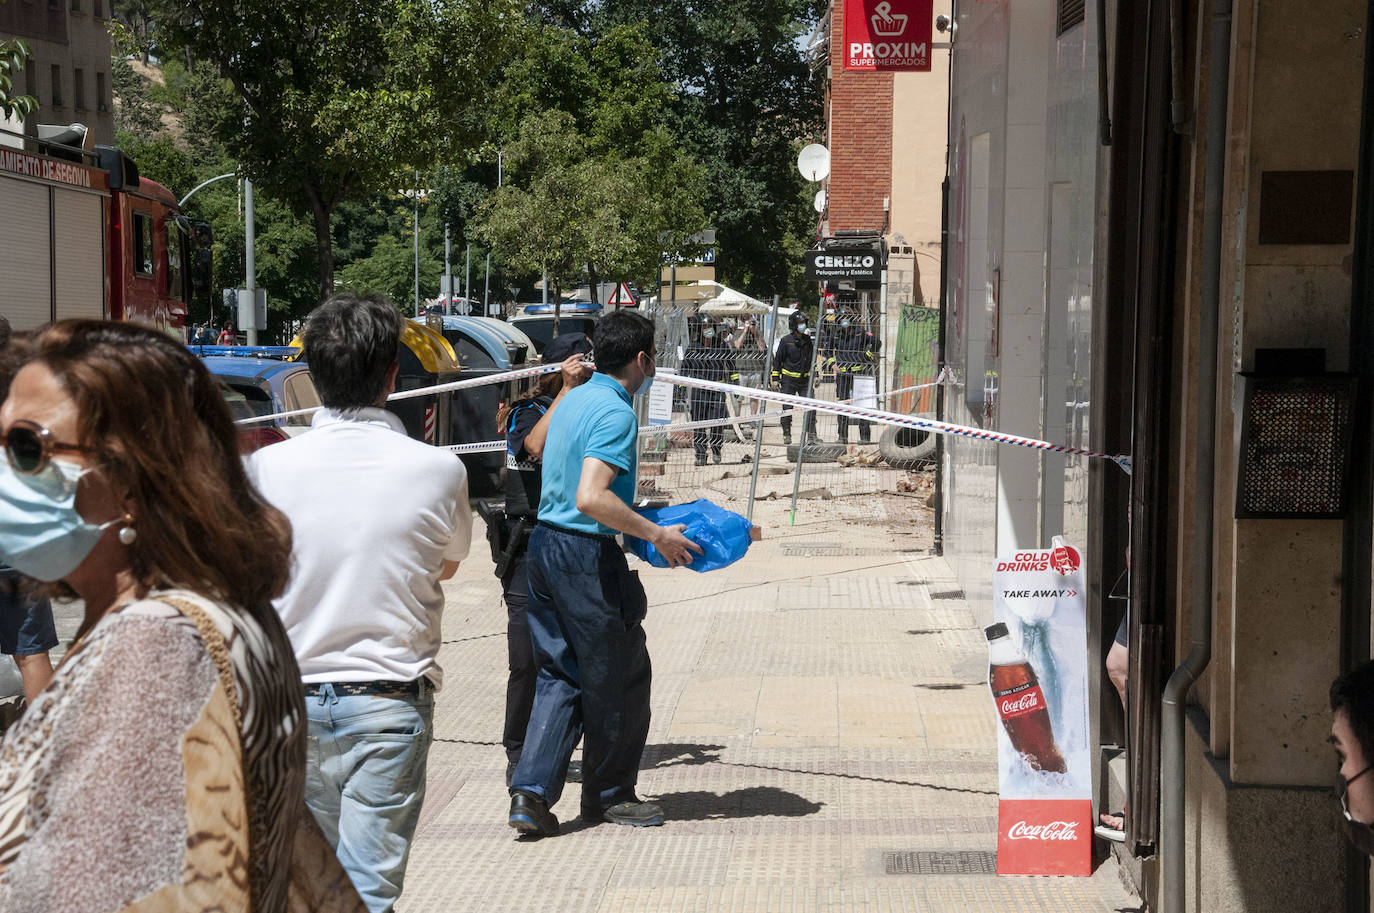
x=622 y=298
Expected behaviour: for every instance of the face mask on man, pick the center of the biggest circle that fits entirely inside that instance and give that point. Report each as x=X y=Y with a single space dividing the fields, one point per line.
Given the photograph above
x=1357 y=832
x=647 y=383
x=845 y=323
x=41 y=533
x=708 y=334
x=801 y=327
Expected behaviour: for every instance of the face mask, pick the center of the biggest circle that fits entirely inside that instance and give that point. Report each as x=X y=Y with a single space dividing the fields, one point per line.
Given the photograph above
x=845 y=324
x=1357 y=832
x=645 y=385
x=707 y=334
x=41 y=534
x=801 y=328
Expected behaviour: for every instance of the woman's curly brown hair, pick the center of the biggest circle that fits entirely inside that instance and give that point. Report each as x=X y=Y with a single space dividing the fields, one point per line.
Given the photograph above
x=167 y=444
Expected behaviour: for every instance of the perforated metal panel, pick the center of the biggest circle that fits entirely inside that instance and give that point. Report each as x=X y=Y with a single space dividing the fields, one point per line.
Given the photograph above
x=1295 y=447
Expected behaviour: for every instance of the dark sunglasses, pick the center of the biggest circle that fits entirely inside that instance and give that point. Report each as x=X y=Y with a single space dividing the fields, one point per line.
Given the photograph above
x=29 y=446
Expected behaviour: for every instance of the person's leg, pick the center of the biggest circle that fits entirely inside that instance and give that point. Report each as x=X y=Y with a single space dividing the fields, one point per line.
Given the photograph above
x=36 y=671
x=696 y=412
x=519 y=662
x=27 y=633
x=1118 y=661
x=386 y=740
x=844 y=389
x=323 y=763
x=615 y=680
x=557 y=568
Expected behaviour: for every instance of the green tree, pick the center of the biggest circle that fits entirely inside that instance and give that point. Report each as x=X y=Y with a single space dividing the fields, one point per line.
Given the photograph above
x=14 y=52
x=329 y=100
x=596 y=178
x=744 y=102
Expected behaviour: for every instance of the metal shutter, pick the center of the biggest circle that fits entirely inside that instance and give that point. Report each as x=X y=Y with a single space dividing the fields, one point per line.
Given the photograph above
x=26 y=282
x=80 y=253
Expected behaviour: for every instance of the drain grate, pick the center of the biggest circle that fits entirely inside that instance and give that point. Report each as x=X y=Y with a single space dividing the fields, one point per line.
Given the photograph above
x=940 y=862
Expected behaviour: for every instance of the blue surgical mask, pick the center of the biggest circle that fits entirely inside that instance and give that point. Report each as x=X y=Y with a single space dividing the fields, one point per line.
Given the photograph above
x=801 y=328
x=41 y=534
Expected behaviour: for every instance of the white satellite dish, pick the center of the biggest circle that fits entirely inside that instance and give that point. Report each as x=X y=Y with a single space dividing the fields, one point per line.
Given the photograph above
x=814 y=162
x=820 y=201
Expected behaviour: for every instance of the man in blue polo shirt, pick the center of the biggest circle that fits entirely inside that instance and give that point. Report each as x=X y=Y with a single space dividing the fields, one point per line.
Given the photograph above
x=585 y=605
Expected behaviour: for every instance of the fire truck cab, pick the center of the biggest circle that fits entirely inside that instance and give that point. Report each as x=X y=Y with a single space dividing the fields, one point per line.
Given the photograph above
x=85 y=236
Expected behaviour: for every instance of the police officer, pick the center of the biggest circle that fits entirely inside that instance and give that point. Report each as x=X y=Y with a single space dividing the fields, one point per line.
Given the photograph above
x=855 y=351
x=525 y=423
x=710 y=359
x=791 y=366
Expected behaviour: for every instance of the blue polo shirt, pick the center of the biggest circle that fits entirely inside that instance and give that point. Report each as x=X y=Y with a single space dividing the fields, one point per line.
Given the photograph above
x=593 y=420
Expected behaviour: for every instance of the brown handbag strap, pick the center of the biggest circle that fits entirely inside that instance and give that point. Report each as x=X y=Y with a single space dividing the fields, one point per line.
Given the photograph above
x=216 y=647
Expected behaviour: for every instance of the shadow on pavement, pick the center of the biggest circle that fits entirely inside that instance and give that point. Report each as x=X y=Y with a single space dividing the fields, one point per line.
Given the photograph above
x=751 y=802
x=673 y=754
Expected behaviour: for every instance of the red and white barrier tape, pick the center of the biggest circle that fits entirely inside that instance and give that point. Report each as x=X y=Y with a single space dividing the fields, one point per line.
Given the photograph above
x=800 y=403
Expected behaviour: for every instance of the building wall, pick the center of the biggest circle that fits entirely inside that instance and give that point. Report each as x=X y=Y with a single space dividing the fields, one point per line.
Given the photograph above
x=860 y=141
x=1022 y=218
x=920 y=113
x=69 y=68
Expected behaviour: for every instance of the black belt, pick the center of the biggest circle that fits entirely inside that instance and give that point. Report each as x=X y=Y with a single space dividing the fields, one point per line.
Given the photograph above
x=603 y=537
x=352 y=689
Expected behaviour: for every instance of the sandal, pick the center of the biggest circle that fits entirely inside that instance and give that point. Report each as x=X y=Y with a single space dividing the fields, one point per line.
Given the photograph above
x=1108 y=830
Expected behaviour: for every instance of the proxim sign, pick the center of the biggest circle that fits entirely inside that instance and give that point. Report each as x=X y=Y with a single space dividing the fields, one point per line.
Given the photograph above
x=887 y=35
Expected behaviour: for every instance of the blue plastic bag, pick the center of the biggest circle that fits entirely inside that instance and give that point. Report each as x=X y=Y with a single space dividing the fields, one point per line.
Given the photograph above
x=722 y=534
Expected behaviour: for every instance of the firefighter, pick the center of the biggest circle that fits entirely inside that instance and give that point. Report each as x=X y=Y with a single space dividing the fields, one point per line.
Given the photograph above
x=855 y=351
x=791 y=366
x=709 y=359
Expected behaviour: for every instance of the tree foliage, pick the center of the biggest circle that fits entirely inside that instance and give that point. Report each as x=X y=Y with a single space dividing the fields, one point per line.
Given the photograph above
x=14 y=52
x=744 y=103
x=329 y=100
x=597 y=178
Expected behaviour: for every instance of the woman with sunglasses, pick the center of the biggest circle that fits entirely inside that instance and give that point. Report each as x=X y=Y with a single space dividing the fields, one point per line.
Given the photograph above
x=162 y=768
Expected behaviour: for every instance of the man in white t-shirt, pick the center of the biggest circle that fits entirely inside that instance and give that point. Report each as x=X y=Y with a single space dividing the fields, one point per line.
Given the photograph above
x=378 y=520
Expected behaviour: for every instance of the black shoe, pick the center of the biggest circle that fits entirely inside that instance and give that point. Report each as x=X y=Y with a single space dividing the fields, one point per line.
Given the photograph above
x=634 y=813
x=715 y=457
x=574 y=772
x=787 y=437
x=530 y=815
x=701 y=461
x=812 y=440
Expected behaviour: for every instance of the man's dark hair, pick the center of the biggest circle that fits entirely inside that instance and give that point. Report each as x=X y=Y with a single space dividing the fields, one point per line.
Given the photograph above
x=350 y=342
x=619 y=337
x=1353 y=692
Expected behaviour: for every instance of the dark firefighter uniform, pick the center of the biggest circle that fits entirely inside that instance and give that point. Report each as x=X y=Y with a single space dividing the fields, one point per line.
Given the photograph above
x=855 y=351
x=791 y=367
x=708 y=361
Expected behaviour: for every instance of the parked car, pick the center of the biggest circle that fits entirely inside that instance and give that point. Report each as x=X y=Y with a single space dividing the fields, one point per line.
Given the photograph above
x=260 y=382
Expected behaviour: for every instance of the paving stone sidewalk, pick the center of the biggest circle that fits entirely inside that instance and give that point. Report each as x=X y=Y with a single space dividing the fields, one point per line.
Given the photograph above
x=822 y=740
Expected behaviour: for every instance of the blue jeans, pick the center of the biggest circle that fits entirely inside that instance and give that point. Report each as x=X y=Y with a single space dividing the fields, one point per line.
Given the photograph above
x=365 y=782
x=584 y=612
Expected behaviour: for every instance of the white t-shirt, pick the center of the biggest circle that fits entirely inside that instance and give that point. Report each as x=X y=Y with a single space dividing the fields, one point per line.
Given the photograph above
x=373 y=514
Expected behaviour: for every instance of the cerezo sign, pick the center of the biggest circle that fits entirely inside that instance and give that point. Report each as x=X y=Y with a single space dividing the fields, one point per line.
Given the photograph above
x=887 y=35
x=856 y=264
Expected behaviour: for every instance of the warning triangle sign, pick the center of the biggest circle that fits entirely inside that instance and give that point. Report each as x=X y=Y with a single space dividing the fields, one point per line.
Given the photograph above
x=622 y=298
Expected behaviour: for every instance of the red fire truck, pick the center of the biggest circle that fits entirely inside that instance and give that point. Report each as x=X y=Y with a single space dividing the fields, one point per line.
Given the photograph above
x=84 y=236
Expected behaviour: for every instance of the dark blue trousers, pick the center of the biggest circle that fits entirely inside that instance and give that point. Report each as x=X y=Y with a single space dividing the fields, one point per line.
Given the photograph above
x=584 y=613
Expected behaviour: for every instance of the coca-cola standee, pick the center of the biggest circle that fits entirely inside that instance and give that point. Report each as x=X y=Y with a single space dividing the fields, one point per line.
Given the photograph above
x=1037 y=673
x=1021 y=703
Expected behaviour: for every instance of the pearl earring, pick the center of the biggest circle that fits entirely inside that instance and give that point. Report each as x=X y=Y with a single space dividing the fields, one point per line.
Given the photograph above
x=127 y=534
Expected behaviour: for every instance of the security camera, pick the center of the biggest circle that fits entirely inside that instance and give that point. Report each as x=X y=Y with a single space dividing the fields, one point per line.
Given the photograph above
x=942 y=23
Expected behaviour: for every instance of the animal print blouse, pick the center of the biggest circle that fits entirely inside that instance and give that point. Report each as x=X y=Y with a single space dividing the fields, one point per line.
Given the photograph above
x=120 y=788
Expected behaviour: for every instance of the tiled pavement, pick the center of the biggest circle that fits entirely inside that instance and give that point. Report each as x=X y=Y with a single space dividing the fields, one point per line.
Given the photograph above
x=819 y=715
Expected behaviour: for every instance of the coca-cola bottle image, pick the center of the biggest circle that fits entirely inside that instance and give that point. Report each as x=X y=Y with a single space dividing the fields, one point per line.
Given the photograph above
x=1021 y=702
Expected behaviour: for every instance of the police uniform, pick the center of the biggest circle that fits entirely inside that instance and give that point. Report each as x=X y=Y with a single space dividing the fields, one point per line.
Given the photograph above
x=791 y=367
x=708 y=362
x=855 y=354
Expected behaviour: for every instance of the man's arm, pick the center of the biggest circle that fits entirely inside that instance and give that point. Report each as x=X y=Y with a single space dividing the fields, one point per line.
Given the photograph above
x=575 y=372
x=596 y=500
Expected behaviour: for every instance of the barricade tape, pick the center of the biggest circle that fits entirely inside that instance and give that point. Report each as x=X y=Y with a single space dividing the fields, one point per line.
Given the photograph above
x=894 y=418
x=517 y=374
x=786 y=399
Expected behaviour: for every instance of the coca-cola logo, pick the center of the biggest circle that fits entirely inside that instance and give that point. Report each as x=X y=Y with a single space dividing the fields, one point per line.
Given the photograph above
x=1027 y=702
x=1065 y=559
x=1054 y=830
